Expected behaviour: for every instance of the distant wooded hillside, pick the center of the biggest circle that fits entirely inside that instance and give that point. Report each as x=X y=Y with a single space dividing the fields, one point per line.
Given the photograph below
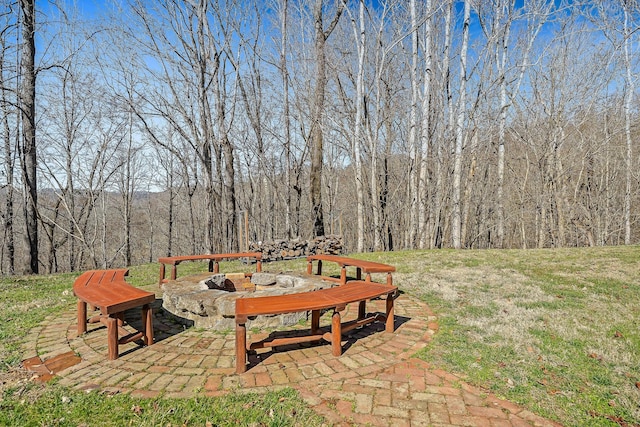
x=170 y=127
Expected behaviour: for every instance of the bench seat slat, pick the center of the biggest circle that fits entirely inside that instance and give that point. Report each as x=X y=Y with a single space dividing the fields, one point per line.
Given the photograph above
x=213 y=259
x=308 y=301
x=175 y=260
x=366 y=266
x=112 y=297
x=109 y=291
x=336 y=298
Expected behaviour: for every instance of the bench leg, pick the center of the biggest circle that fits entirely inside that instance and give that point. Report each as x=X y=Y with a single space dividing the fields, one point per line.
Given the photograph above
x=389 y=325
x=258 y=266
x=241 y=348
x=82 y=317
x=343 y=275
x=162 y=273
x=147 y=321
x=112 y=336
x=336 y=334
x=362 y=309
x=120 y=317
x=315 y=321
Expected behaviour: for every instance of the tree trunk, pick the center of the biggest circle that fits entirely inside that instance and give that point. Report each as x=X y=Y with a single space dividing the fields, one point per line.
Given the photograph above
x=316 y=137
x=423 y=186
x=8 y=238
x=629 y=92
x=28 y=154
x=286 y=117
x=457 y=167
x=414 y=192
x=360 y=39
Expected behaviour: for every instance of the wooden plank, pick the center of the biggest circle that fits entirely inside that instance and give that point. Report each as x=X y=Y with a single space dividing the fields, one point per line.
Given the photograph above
x=336 y=298
x=354 y=291
x=213 y=259
x=108 y=290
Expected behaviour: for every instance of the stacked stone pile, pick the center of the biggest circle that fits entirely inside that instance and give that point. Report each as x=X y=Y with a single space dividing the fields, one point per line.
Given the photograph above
x=297 y=248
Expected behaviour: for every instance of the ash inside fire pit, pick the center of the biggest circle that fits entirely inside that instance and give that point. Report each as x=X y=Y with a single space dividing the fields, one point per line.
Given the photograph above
x=208 y=300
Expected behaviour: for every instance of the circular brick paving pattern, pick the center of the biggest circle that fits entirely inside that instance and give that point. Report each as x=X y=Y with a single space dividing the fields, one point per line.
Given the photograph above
x=376 y=381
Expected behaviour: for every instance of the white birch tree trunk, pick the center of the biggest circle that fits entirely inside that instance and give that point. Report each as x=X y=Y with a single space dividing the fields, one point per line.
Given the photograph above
x=413 y=134
x=501 y=50
x=459 y=132
x=629 y=92
x=360 y=39
x=424 y=134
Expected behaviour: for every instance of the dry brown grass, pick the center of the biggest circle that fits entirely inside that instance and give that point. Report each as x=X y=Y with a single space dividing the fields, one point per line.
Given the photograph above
x=555 y=330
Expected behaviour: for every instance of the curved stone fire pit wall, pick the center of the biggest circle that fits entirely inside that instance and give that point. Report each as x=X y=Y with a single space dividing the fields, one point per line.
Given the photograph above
x=209 y=300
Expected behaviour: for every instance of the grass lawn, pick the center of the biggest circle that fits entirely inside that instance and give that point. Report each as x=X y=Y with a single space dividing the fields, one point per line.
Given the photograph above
x=556 y=331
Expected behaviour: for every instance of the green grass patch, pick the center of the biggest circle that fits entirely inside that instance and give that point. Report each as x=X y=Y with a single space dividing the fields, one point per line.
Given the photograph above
x=553 y=330
x=58 y=406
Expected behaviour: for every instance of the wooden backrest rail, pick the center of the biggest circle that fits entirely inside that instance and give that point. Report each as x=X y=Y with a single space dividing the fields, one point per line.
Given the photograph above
x=214 y=262
x=368 y=267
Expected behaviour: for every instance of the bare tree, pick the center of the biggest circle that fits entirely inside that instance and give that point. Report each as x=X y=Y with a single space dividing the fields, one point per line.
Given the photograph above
x=317 y=110
x=8 y=152
x=628 y=31
x=28 y=150
x=456 y=230
x=425 y=132
x=360 y=38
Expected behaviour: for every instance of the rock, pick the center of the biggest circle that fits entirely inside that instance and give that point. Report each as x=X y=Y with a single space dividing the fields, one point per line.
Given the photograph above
x=285 y=281
x=263 y=279
x=216 y=281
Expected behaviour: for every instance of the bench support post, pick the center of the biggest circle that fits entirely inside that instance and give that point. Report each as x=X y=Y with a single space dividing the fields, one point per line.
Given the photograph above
x=336 y=334
x=315 y=321
x=241 y=348
x=162 y=273
x=362 y=309
x=112 y=336
x=389 y=324
x=147 y=321
x=82 y=317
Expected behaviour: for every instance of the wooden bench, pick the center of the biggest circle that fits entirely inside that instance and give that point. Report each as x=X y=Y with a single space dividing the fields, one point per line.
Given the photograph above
x=368 y=267
x=214 y=262
x=108 y=291
x=336 y=298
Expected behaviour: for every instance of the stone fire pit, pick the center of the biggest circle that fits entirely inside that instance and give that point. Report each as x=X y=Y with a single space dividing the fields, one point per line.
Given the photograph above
x=208 y=300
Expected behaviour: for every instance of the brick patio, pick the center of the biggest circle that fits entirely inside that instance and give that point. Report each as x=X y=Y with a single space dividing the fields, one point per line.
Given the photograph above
x=375 y=382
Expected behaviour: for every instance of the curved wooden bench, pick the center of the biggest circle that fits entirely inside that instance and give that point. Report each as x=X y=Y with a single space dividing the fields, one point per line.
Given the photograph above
x=336 y=298
x=108 y=291
x=368 y=267
x=362 y=266
x=214 y=262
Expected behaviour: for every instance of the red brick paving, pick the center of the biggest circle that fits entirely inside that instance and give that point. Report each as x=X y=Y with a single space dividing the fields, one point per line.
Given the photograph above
x=375 y=382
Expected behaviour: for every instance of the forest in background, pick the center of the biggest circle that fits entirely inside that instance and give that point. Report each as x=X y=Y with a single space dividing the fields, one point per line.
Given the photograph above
x=132 y=129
